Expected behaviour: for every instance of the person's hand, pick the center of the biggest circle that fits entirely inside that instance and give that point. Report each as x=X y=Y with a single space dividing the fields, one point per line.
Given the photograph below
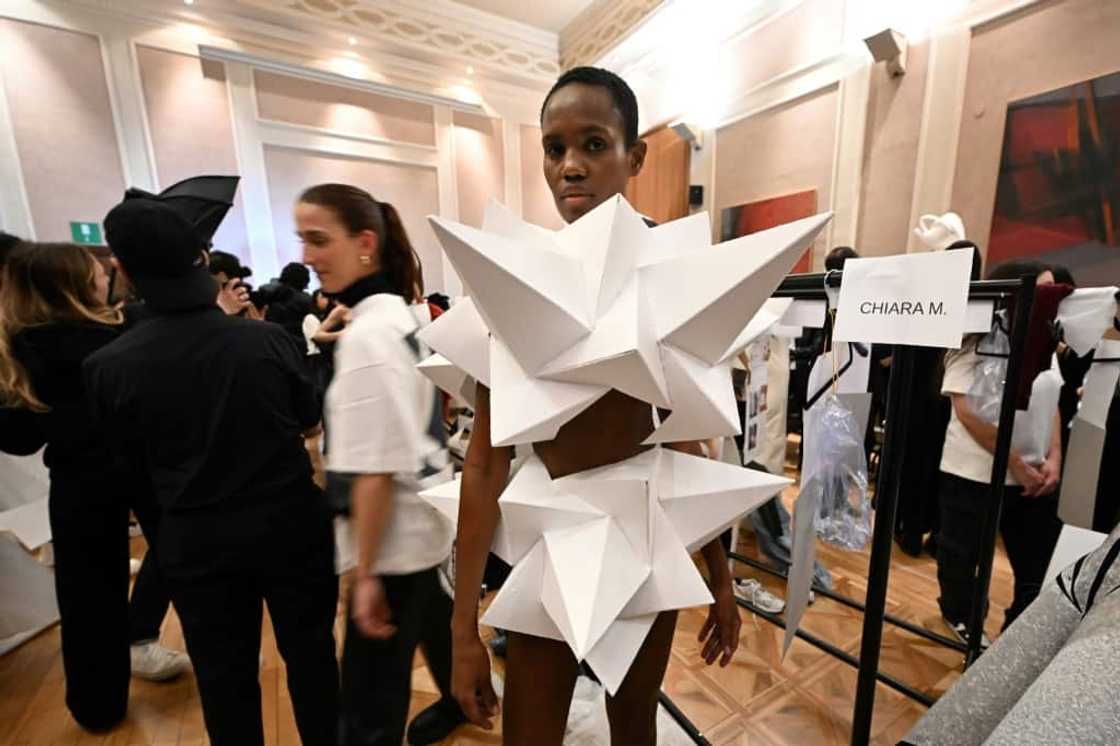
x=370 y=610
x=1051 y=471
x=339 y=316
x=720 y=633
x=1030 y=478
x=254 y=313
x=470 y=680
x=233 y=297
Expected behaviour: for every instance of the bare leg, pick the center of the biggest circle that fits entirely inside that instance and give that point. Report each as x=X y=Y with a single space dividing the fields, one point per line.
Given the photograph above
x=632 y=711
x=540 y=677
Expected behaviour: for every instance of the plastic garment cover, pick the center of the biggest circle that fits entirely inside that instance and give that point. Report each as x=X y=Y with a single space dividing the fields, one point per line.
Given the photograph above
x=986 y=393
x=836 y=477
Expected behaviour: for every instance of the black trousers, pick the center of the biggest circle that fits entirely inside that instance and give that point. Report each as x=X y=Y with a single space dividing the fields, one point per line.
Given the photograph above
x=1029 y=527
x=222 y=566
x=89 y=530
x=377 y=674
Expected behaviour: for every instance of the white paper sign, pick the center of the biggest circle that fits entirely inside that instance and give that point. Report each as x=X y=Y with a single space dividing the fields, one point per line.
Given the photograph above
x=916 y=299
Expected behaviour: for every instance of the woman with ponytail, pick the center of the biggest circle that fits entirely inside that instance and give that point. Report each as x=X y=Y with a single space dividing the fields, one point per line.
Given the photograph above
x=54 y=313
x=385 y=434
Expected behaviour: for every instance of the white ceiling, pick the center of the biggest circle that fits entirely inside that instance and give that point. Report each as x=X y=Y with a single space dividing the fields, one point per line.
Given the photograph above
x=550 y=15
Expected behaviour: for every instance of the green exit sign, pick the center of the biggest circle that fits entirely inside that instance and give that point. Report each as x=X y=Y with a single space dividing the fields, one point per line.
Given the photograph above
x=86 y=234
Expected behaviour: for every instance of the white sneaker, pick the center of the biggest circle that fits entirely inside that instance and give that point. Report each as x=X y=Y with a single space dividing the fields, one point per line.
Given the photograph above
x=153 y=662
x=751 y=590
x=134 y=567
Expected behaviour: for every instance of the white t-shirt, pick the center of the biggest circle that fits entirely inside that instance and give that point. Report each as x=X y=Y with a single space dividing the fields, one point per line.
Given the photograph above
x=966 y=458
x=380 y=411
x=311 y=326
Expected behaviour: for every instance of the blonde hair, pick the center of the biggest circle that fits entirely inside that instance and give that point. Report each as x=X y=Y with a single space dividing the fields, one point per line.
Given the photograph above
x=44 y=283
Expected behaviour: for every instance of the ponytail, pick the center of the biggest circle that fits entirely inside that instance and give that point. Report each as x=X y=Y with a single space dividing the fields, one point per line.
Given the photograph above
x=359 y=211
x=399 y=260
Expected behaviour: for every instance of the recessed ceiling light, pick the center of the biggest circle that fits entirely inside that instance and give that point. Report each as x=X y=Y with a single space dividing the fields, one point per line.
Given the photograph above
x=470 y=70
x=352 y=41
x=188 y=2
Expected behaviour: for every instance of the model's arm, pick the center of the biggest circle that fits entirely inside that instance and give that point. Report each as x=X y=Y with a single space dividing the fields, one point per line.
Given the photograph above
x=485 y=473
x=984 y=433
x=721 y=630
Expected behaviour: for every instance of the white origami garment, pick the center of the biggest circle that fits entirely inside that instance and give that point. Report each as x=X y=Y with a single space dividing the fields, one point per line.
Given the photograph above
x=599 y=554
x=555 y=320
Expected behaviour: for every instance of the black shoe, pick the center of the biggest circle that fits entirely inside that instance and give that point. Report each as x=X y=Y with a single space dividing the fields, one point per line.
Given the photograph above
x=908 y=544
x=435 y=723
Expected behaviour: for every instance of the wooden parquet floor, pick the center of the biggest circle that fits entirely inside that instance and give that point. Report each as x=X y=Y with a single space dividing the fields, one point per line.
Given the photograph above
x=760 y=698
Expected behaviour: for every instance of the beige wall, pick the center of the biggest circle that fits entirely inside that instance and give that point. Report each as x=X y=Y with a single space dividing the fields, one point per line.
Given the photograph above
x=479 y=164
x=790 y=148
x=894 y=121
x=796 y=38
x=347 y=110
x=63 y=125
x=537 y=205
x=1053 y=45
x=412 y=190
x=187 y=105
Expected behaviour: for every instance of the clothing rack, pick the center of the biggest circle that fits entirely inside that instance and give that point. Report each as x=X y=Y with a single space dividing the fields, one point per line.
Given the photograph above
x=812 y=287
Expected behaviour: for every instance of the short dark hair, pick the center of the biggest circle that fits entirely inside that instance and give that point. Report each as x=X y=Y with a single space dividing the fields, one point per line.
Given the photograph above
x=1014 y=269
x=620 y=92
x=836 y=258
x=977 y=260
x=295 y=276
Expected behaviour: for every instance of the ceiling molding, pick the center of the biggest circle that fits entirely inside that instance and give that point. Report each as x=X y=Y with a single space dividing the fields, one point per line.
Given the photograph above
x=438 y=30
x=600 y=27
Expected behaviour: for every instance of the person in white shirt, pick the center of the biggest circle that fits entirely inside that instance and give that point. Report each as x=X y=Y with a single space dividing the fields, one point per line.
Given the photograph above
x=386 y=435
x=1028 y=521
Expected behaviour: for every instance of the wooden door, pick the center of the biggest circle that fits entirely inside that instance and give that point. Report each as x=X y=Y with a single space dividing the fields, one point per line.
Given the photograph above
x=660 y=191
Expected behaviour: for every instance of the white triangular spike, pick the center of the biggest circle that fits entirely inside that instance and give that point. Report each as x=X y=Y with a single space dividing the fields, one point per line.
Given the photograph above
x=529 y=410
x=761 y=323
x=676 y=238
x=443 y=373
x=611 y=657
x=606 y=242
x=532 y=504
x=518 y=606
x=627 y=502
x=702 y=497
x=583 y=591
x=703 y=400
x=499 y=219
x=621 y=352
x=701 y=299
x=444 y=498
x=519 y=292
x=674 y=582
x=461 y=336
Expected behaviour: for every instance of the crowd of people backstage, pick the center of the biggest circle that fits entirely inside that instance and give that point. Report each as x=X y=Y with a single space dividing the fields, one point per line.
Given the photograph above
x=946 y=488
x=192 y=410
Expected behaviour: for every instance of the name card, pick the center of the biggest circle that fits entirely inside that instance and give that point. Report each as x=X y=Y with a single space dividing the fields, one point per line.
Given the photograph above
x=914 y=299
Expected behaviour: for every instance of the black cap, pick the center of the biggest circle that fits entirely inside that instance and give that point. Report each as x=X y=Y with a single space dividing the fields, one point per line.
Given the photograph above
x=162 y=254
x=223 y=261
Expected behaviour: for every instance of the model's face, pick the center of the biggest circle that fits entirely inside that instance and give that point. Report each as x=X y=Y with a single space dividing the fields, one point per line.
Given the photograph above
x=331 y=251
x=586 y=161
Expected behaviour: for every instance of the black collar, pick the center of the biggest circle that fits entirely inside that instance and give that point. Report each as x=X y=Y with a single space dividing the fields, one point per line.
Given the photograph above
x=362 y=289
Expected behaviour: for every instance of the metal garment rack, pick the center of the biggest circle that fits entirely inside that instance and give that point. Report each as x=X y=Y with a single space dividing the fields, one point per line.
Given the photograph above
x=812 y=287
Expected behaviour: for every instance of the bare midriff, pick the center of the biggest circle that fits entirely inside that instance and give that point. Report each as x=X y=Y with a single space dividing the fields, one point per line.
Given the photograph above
x=610 y=430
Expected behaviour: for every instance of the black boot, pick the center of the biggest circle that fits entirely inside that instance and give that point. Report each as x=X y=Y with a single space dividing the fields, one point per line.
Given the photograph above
x=435 y=723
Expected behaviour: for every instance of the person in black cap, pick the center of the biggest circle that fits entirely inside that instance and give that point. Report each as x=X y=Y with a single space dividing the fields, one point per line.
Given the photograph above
x=213 y=409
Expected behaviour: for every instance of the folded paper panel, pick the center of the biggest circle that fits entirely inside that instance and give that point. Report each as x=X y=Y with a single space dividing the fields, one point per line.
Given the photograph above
x=726 y=284
x=518 y=604
x=703 y=400
x=461 y=336
x=677 y=237
x=611 y=657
